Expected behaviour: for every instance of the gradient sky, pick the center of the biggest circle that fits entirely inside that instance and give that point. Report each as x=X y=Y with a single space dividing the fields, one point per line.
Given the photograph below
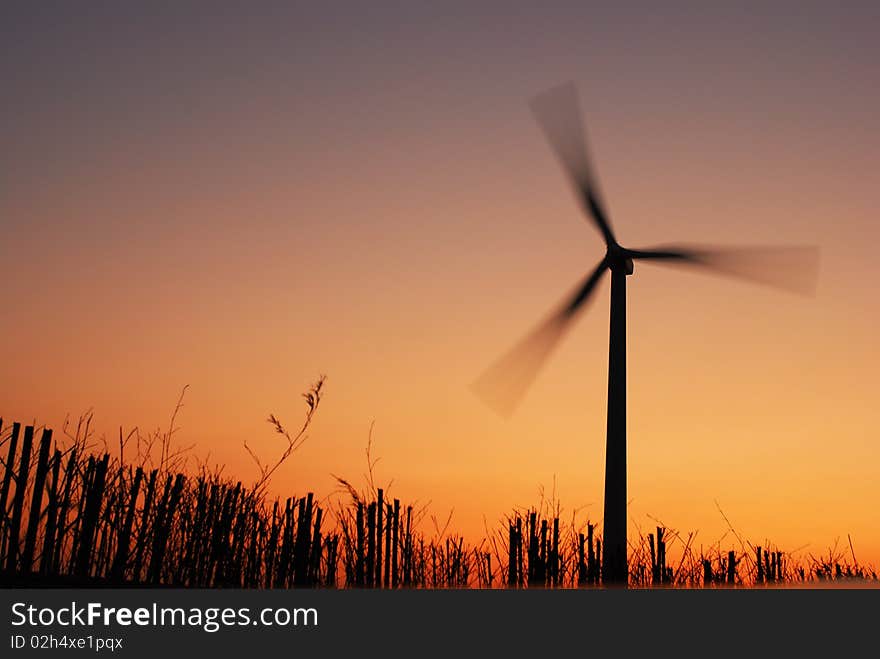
x=240 y=200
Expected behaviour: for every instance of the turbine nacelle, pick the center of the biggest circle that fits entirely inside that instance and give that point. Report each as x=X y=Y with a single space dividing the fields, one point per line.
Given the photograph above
x=617 y=258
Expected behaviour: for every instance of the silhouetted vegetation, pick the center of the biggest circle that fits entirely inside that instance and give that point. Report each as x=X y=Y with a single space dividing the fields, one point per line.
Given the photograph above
x=72 y=514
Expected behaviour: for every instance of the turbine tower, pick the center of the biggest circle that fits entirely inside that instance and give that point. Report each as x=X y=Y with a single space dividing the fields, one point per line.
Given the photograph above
x=504 y=383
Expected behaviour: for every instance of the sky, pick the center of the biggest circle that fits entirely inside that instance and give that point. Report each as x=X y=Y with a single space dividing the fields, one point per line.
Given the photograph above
x=240 y=199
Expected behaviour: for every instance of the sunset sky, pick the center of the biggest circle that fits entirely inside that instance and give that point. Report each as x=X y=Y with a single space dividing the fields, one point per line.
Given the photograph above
x=241 y=200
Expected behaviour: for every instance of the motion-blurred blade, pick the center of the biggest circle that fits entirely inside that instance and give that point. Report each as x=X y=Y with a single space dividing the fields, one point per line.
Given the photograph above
x=794 y=269
x=558 y=113
x=503 y=385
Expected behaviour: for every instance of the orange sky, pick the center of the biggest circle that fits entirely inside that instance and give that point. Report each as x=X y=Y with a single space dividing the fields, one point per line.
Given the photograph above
x=242 y=203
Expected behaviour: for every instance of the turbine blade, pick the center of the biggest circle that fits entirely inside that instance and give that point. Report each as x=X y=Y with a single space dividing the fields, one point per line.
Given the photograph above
x=504 y=383
x=558 y=113
x=791 y=268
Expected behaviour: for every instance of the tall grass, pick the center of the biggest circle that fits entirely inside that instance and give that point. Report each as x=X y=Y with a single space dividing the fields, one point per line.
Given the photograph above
x=71 y=513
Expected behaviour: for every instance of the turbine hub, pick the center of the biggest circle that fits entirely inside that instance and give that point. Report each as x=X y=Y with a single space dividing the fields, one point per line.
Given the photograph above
x=618 y=259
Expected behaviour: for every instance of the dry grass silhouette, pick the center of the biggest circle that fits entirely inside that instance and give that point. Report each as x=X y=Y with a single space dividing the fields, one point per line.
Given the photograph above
x=72 y=514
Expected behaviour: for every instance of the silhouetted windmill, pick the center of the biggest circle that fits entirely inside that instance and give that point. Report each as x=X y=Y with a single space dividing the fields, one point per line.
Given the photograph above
x=793 y=268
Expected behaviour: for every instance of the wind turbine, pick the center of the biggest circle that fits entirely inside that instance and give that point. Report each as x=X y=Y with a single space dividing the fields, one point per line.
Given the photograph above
x=504 y=383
